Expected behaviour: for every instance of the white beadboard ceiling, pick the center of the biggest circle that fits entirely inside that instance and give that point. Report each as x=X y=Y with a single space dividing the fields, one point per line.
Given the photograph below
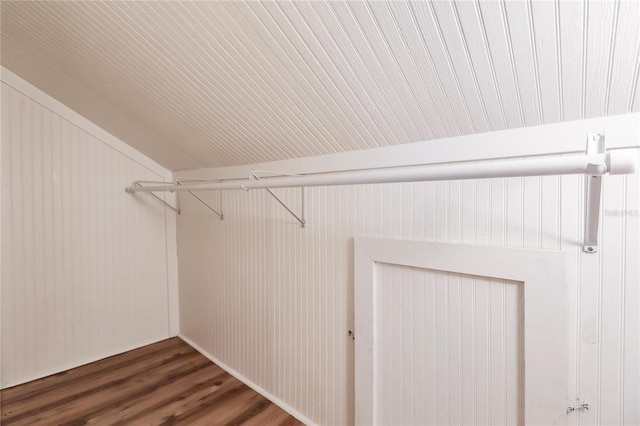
x=206 y=84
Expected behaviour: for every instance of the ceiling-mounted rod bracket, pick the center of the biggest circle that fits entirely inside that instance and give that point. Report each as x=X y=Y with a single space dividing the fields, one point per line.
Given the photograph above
x=180 y=181
x=593 y=192
x=303 y=192
x=151 y=194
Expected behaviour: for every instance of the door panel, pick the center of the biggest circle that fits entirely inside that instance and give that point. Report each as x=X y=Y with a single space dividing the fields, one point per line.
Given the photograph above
x=451 y=348
x=458 y=334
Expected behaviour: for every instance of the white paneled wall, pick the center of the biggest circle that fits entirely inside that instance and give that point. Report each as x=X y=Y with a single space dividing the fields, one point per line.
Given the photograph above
x=86 y=270
x=274 y=302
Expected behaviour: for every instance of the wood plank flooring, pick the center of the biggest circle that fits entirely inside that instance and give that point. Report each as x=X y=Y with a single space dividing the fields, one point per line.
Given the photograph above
x=166 y=383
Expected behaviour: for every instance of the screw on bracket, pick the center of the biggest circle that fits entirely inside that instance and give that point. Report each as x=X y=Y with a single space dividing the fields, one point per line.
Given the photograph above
x=584 y=406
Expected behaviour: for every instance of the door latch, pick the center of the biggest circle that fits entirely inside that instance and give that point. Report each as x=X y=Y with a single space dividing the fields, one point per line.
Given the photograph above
x=584 y=406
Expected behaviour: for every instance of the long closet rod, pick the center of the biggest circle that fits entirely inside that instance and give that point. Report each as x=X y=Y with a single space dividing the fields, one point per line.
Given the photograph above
x=612 y=162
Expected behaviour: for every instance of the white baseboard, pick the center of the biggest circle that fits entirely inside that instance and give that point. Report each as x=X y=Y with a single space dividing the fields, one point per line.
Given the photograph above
x=83 y=361
x=280 y=403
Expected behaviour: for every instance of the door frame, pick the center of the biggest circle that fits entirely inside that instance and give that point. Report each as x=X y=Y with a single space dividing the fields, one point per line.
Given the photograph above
x=543 y=274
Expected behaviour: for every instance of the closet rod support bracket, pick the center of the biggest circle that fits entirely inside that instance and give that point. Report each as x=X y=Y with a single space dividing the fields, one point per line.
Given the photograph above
x=151 y=194
x=593 y=194
x=303 y=192
x=204 y=203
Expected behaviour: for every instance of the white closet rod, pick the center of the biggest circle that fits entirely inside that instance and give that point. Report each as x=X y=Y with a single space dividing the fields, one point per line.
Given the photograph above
x=613 y=162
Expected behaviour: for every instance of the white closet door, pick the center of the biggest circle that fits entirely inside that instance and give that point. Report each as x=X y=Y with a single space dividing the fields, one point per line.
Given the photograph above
x=452 y=334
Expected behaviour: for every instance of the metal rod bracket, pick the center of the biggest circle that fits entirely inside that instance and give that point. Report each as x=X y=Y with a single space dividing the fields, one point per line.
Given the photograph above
x=152 y=195
x=303 y=192
x=593 y=192
x=179 y=181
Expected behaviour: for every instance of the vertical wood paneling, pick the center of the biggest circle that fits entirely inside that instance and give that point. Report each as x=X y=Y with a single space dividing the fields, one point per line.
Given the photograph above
x=84 y=271
x=211 y=84
x=622 y=57
x=572 y=43
x=274 y=301
x=498 y=42
x=479 y=52
x=547 y=59
x=601 y=25
x=457 y=51
x=524 y=59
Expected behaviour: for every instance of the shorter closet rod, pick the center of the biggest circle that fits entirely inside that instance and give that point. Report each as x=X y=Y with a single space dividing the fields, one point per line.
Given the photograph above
x=613 y=162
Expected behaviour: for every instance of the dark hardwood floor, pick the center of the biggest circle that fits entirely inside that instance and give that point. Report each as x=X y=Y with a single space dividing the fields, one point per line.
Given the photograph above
x=167 y=383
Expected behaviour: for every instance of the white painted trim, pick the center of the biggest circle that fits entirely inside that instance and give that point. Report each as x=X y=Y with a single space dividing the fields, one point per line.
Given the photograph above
x=80 y=363
x=277 y=401
x=2 y=118
x=58 y=108
x=173 y=292
x=543 y=274
x=623 y=131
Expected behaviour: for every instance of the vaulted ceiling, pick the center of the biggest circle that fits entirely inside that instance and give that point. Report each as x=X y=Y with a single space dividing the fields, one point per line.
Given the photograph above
x=205 y=84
